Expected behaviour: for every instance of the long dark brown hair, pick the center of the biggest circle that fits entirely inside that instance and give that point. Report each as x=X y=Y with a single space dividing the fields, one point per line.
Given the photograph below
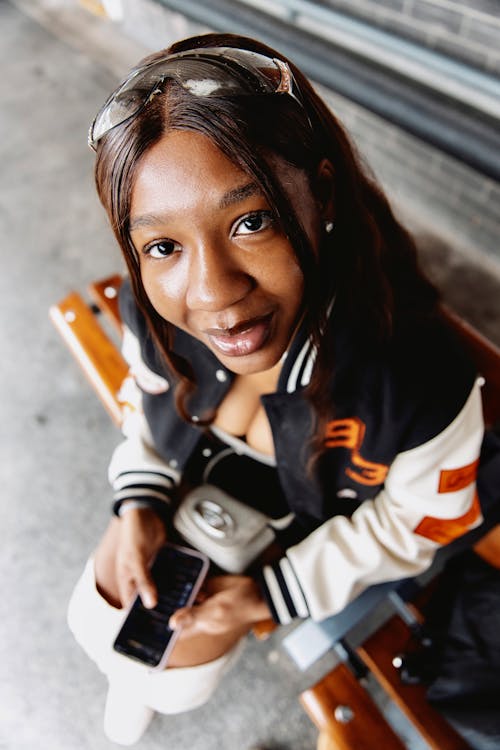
x=368 y=263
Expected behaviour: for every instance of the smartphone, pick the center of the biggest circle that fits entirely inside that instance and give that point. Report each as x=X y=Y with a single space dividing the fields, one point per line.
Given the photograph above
x=178 y=573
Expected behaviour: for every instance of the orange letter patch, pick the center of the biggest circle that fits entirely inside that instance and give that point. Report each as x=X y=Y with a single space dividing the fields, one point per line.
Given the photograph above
x=349 y=433
x=344 y=433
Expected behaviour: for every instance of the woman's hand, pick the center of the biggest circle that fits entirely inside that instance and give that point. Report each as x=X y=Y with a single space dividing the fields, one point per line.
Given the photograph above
x=226 y=604
x=142 y=533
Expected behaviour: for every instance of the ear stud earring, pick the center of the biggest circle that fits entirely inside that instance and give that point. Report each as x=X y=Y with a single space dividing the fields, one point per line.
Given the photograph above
x=328 y=227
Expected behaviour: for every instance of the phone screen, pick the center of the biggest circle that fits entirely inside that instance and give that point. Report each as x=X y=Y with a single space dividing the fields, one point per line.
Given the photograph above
x=178 y=573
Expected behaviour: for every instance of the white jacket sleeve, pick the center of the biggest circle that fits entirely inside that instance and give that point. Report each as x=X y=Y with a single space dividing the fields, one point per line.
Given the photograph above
x=429 y=498
x=136 y=471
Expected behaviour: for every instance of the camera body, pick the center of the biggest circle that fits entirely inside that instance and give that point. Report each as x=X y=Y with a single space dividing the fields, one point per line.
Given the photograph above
x=229 y=532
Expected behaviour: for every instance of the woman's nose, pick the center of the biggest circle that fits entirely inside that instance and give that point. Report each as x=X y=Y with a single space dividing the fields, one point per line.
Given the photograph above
x=216 y=279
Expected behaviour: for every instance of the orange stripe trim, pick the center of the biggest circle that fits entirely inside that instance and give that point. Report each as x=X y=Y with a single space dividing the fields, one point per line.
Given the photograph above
x=445 y=530
x=453 y=480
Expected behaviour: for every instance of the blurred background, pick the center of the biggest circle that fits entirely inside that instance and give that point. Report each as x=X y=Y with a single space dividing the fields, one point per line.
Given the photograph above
x=417 y=84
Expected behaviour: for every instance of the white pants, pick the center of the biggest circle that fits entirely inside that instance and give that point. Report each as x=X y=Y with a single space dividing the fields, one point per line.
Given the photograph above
x=95 y=623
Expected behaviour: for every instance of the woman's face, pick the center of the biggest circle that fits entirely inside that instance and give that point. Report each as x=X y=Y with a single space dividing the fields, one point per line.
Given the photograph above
x=214 y=262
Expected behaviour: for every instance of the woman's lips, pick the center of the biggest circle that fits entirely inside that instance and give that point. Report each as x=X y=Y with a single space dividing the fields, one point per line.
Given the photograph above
x=244 y=338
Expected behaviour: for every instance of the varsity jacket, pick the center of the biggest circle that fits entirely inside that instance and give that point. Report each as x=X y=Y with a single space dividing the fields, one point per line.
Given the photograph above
x=396 y=479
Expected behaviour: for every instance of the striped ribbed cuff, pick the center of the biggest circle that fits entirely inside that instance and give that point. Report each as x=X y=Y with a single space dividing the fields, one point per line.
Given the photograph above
x=151 y=489
x=283 y=592
x=153 y=481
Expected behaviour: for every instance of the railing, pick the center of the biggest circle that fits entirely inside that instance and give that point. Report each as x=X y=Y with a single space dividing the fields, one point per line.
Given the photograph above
x=441 y=101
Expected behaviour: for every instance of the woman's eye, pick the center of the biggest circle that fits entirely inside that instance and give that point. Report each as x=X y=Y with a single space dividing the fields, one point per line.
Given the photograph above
x=254 y=222
x=162 y=249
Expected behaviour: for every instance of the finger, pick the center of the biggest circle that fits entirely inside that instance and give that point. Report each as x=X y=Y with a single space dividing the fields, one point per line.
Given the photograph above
x=148 y=597
x=135 y=578
x=126 y=589
x=140 y=574
x=147 y=591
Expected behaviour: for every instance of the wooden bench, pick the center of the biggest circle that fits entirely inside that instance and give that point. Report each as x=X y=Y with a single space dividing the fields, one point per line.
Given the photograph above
x=339 y=704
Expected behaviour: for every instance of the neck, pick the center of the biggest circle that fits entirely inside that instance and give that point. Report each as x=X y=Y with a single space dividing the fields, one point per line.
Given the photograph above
x=262 y=382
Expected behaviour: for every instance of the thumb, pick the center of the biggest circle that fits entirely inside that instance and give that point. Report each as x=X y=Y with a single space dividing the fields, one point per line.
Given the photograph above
x=182 y=618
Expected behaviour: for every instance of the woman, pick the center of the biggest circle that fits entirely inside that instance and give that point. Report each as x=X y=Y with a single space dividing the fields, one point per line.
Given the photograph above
x=286 y=349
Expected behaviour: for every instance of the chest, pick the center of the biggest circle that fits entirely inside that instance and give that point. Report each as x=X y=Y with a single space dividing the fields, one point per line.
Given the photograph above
x=242 y=414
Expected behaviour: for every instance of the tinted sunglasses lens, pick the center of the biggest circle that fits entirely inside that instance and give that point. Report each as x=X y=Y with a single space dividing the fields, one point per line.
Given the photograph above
x=222 y=72
x=125 y=104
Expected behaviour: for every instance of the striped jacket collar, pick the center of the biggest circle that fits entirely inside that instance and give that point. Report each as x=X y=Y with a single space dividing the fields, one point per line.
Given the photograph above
x=299 y=360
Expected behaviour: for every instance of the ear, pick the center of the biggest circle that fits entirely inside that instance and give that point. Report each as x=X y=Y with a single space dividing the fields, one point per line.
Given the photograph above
x=324 y=189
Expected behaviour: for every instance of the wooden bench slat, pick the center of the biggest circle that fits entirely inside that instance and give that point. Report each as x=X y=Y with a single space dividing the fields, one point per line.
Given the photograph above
x=377 y=652
x=262 y=630
x=94 y=351
x=366 y=730
x=104 y=294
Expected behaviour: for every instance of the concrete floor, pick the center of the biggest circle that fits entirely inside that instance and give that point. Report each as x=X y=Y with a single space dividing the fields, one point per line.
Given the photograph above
x=56 y=438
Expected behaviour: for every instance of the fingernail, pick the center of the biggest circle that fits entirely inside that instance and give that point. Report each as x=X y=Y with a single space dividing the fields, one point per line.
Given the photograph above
x=148 y=599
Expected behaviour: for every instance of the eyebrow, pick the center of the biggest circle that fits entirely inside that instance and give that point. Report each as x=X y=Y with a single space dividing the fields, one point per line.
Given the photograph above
x=146 y=220
x=236 y=195
x=239 y=194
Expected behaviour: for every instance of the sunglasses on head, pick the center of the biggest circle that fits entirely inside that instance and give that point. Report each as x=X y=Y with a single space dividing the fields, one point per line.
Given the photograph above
x=204 y=72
